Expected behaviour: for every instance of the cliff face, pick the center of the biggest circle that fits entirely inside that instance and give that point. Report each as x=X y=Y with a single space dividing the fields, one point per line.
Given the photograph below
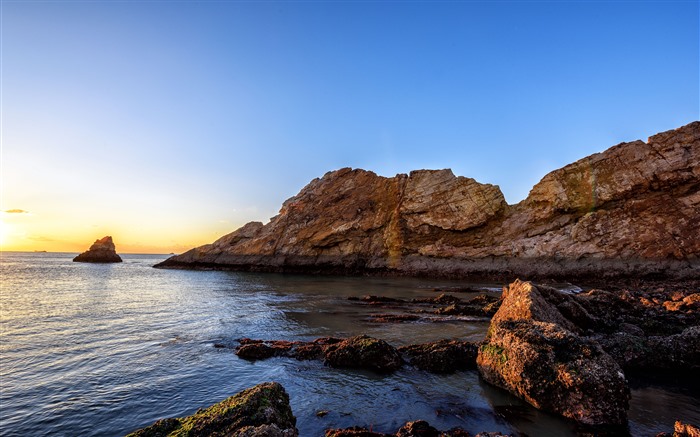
x=631 y=210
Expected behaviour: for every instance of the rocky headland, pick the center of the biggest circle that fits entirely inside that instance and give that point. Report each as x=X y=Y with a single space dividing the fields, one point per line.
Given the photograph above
x=101 y=251
x=631 y=211
x=626 y=222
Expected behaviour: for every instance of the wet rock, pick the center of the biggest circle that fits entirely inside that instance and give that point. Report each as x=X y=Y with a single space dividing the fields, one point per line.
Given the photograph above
x=354 y=431
x=260 y=350
x=363 y=352
x=444 y=356
x=394 y=318
x=419 y=428
x=356 y=352
x=260 y=411
x=481 y=305
x=681 y=429
x=376 y=300
x=101 y=251
x=536 y=353
x=257 y=351
x=442 y=299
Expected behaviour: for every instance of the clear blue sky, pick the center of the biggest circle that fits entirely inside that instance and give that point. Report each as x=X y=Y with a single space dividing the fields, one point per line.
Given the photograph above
x=170 y=123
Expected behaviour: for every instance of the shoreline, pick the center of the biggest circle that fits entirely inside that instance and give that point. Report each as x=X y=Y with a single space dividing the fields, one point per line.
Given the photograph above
x=601 y=276
x=562 y=353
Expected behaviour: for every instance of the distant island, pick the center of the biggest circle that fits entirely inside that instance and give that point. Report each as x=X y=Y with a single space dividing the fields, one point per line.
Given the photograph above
x=101 y=251
x=630 y=211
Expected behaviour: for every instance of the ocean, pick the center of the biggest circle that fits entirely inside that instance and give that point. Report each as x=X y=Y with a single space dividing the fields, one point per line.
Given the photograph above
x=105 y=349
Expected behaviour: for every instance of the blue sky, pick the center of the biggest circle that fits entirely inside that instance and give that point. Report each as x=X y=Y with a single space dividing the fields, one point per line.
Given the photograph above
x=170 y=123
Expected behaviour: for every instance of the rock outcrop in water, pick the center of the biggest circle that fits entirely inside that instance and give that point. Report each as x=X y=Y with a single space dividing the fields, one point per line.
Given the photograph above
x=632 y=210
x=363 y=352
x=537 y=353
x=261 y=411
x=101 y=251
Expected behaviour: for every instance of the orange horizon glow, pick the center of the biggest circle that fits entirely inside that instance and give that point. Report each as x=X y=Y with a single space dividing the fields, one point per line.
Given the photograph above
x=25 y=233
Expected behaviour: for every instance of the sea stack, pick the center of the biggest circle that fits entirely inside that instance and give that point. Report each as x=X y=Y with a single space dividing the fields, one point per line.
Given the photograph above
x=101 y=251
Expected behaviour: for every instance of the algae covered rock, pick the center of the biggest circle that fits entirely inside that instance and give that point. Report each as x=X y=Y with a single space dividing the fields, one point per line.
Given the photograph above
x=259 y=411
x=364 y=352
x=444 y=356
x=101 y=251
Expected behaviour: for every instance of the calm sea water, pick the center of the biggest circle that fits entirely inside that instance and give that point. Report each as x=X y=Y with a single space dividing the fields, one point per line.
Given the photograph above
x=102 y=350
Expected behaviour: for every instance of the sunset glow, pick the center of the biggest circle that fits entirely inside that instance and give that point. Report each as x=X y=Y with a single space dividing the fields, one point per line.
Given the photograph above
x=169 y=124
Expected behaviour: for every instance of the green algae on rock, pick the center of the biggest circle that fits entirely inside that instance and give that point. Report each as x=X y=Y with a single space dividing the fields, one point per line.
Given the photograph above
x=259 y=411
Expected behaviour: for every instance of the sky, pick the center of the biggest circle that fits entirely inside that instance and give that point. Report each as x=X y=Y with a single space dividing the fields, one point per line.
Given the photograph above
x=167 y=124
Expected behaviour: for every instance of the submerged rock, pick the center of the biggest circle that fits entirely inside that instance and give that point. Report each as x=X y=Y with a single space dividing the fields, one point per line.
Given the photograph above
x=536 y=353
x=418 y=428
x=101 y=251
x=630 y=211
x=260 y=411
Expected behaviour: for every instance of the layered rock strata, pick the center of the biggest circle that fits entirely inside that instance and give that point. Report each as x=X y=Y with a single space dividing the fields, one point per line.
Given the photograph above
x=101 y=251
x=632 y=210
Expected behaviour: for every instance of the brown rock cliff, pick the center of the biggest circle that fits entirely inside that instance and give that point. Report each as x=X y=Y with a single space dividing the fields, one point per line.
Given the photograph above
x=632 y=210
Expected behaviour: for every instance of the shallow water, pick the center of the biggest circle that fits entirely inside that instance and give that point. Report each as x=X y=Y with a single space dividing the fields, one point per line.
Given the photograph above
x=102 y=350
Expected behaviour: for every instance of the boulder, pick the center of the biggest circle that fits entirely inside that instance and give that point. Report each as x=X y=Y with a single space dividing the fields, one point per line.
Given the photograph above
x=363 y=352
x=260 y=411
x=444 y=356
x=101 y=251
x=418 y=428
x=536 y=353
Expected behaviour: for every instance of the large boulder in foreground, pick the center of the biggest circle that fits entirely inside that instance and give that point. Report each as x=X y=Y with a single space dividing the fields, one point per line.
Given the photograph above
x=101 y=251
x=629 y=211
x=261 y=411
x=535 y=352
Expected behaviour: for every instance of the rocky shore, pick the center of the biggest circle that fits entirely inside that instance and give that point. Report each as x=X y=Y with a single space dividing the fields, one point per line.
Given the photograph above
x=625 y=222
x=101 y=251
x=628 y=212
x=565 y=353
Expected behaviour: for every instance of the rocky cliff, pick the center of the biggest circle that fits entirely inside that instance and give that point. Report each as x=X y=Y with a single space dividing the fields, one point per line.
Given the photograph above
x=101 y=251
x=632 y=210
